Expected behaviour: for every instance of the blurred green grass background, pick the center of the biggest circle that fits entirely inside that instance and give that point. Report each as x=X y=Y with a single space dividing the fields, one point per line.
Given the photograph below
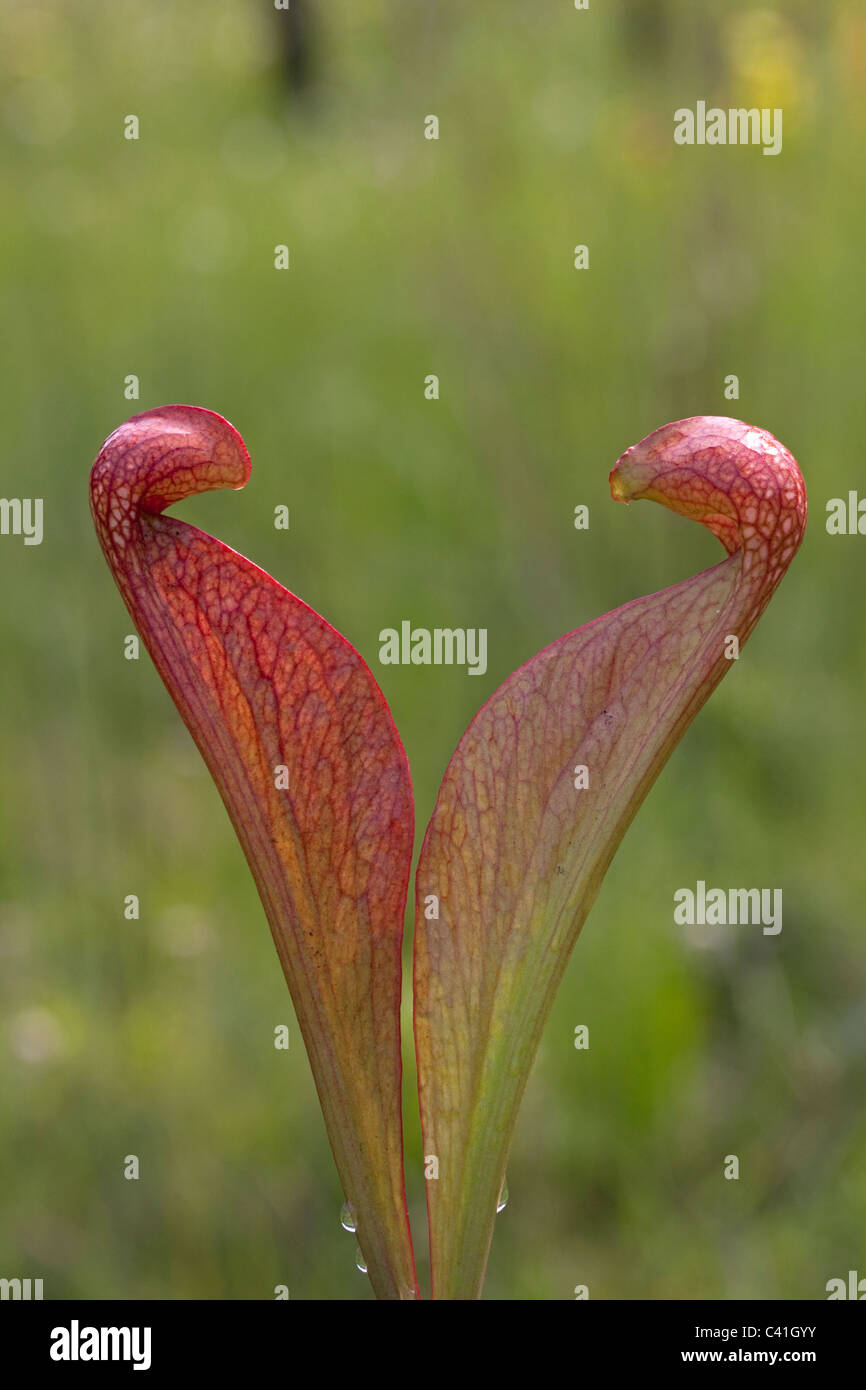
x=409 y=257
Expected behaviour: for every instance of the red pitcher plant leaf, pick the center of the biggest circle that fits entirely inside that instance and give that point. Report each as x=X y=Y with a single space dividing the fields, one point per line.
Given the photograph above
x=303 y=750
x=541 y=790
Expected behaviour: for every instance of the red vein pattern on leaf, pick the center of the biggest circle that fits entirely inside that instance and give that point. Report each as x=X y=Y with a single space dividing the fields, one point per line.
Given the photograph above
x=516 y=855
x=264 y=683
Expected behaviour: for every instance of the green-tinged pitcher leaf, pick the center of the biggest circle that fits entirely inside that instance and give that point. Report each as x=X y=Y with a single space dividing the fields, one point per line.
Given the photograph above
x=541 y=790
x=302 y=747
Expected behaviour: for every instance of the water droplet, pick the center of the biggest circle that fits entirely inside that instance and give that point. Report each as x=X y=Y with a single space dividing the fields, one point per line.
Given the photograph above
x=360 y=1262
x=503 y=1197
x=347 y=1218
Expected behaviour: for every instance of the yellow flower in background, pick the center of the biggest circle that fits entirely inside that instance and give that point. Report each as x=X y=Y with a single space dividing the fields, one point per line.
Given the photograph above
x=769 y=65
